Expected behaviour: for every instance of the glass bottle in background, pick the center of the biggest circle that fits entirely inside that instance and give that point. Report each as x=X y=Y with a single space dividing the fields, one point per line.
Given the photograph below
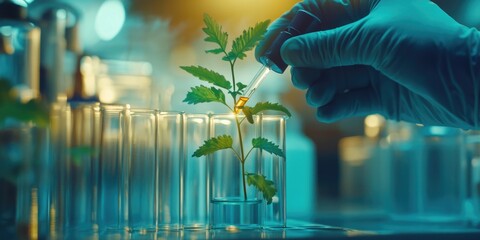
x=472 y=140
x=405 y=155
x=19 y=49
x=124 y=82
x=272 y=127
x=443 y=174
x=378 y=177
x=364 y=168
x=60 y=48
x=301 y=171
x=355 y=152
x=428 y=182
x=82 y=91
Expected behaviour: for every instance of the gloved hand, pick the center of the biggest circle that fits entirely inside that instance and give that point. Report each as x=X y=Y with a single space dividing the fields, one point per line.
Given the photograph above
x=404 y=59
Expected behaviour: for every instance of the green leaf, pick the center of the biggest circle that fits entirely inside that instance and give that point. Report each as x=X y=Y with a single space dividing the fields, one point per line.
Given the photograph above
x=248 y=113
x=247 y=40
x=264 y=144
x=11 y=107
x=240 y=86
x=208 y=75
x=214 y=34
x=267 y=187
x=228 y=58
x=215 y=51
x=264 y=106
x=214 y=144
x=239 y=91
x=233 y=94
x=35 y=111
x=202 y=94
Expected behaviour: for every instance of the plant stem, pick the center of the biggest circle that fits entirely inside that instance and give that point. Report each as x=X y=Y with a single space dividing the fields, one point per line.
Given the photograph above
x=232 y=64
x=243 y=181
x=242 y=152
x=242 y=161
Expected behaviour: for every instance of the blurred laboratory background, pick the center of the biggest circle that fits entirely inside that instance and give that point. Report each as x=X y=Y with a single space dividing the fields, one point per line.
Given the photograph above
x=129 y=51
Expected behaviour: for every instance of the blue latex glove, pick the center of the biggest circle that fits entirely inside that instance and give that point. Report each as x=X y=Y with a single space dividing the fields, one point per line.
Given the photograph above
x=404 y=59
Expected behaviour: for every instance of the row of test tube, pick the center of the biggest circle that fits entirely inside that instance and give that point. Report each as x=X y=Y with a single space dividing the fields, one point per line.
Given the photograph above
x=116 y=168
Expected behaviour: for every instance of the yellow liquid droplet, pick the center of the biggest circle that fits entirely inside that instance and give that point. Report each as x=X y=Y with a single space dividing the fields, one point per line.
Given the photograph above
x=240 y=103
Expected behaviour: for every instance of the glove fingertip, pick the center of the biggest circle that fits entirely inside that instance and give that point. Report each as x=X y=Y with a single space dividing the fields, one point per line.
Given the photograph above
x=290 y=49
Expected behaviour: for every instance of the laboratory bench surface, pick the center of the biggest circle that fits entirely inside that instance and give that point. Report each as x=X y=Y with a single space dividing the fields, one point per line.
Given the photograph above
x=329 y=228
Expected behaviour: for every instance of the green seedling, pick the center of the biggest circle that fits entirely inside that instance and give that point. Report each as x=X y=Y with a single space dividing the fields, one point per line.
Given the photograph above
x=11 y=107
x=215 y=94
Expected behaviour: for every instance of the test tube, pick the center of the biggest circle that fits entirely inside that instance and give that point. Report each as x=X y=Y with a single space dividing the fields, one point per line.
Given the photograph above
x=169 y=153
x=228 y=207
x=195 y=193
x=80 y=170
x=272 y=127
x=108 y=195
x=60 y=133
x=26 y=148
x=139 y=170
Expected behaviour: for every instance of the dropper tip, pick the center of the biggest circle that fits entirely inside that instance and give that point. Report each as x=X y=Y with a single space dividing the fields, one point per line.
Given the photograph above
x=240 y=104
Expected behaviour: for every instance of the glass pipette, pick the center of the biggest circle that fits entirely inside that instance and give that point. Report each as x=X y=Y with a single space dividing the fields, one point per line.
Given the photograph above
x=251 y=87
x=303 y=22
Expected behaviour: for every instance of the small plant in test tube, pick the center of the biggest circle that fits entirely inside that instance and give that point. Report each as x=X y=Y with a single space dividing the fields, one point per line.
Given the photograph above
x=234 y=88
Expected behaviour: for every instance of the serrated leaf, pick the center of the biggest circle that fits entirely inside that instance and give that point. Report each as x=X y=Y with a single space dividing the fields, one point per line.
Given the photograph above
x=247 y=111
x=202 y=94
x=247 y=40
x=228 y=58
x=267 y=187
x=214 y=34
x=214 y=144
x=207 y=75
x=239 y=91
x=264 y=106
x=240 y=86
x=264 y=144
x=215 y=51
